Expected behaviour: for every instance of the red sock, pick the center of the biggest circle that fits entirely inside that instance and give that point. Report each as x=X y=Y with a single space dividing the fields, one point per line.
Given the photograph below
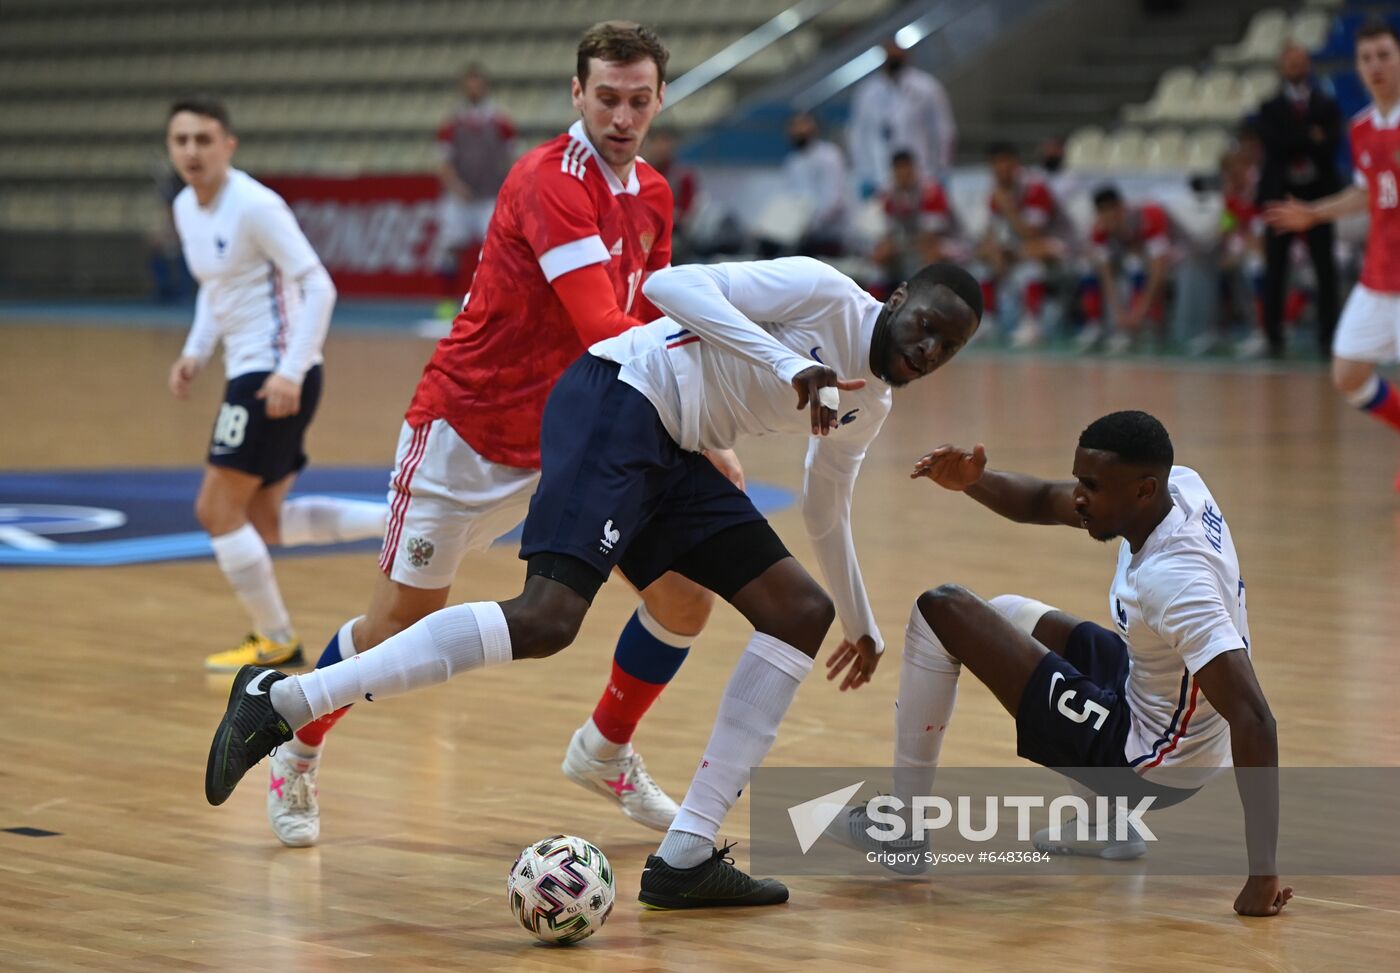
x=623 y=704
x=1035 y=297
x=1386 y=405
x=989 y=296
x=314 y=733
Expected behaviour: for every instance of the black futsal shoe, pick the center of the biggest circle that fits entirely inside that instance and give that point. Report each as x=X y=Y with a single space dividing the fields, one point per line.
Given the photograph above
x=249 y=731
x=712 y=884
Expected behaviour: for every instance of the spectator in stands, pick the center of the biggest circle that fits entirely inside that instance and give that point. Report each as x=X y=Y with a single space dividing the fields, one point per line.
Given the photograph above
x=1241 y=250
x=1132 y=253
x=685 y=187
x=919 y=223
x=814 y=172
x=1017 y=250
x=900 y=107
x=476 y=145
x=1301 y=130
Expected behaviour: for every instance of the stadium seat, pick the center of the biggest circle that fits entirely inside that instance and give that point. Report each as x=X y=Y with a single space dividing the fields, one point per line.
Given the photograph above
x=1257 y=85
x=1175 y=93
x=1217 y=96
x=1087 y=148
x=1263 y=39
x=1165 y=149
x=1125 y=150
x=1204 y=149
x=1310 y=28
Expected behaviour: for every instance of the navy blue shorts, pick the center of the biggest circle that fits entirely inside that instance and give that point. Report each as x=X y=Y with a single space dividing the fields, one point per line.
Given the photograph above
x=1074 y=717
x=1074 y=712
x=615 y=489
x=244 y=438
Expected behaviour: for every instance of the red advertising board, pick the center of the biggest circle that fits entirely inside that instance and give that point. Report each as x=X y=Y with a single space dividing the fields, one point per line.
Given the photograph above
x=377 y=235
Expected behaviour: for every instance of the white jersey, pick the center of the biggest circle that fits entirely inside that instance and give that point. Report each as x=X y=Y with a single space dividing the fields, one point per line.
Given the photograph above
x=720 y=366
x=262 y=289
x=1179 y=602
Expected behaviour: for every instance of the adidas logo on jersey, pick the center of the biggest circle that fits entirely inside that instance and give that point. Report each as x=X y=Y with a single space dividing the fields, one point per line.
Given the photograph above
x=616 y=250
x=575 y=159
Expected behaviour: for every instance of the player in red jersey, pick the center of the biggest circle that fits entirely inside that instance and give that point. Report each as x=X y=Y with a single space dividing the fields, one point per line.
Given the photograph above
x=1132 y=242
x=1369 y=331
x=579 y=223
x=1018 y=247
x=919 y=223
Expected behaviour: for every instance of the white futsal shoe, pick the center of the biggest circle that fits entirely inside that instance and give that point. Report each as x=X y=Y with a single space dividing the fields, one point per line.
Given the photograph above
x=1114 y=849
x=623 y=780
x=291 y=801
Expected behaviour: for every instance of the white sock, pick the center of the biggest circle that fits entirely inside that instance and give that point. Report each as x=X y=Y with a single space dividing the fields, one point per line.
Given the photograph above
x=928 y=688
x=301 y=755
x=754 y=703
x=430 y=651
x=243 y=557
x=327 y=520
x=598 y=746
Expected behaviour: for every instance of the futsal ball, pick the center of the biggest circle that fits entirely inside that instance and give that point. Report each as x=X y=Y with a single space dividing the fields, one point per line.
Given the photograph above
x=561 y=889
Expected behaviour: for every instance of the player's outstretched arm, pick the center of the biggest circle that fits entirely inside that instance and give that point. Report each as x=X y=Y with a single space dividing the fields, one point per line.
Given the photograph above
x=1295 y=216
x=1016 y=496
x=1228 y=681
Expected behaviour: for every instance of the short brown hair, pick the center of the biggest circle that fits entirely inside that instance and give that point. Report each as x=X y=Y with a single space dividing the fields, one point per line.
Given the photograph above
x=621 y=42
x=202 y=105
x=1376 y=27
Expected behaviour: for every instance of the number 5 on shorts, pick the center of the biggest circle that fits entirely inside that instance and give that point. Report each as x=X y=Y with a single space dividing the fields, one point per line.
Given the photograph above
x=1091 y=709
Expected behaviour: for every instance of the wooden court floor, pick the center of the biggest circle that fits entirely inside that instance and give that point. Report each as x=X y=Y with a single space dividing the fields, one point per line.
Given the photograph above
x=105 y=713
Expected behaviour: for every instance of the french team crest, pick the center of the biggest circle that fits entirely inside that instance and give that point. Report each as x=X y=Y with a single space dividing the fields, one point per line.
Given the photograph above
x=420 y=551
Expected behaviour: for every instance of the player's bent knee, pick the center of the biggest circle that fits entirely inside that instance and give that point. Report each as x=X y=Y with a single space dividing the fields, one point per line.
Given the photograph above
x=808 y=616
x=679 y=605
x=542 y=636
x=937 y=603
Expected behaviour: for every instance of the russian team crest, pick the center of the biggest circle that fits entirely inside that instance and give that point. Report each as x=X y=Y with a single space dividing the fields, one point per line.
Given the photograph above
x=420 y=551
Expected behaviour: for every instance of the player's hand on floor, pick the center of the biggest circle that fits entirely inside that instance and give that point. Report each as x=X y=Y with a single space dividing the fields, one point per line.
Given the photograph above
x=862 y=656
x=809 y=382
x=282 y=395
x=952 y=467
x=1262 y=895
x=182 y=373
x=727 y=462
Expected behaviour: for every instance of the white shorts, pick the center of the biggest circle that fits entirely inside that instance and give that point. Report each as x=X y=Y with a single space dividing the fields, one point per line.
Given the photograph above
x=1369 y=329
x=446 y=500
x=463 y=222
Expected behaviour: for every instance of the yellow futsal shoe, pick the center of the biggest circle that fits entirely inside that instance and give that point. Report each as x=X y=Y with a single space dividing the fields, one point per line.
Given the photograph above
x=257 y=650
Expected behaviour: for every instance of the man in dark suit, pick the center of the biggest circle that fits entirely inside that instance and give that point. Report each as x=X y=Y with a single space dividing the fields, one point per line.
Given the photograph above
x=1301 y=130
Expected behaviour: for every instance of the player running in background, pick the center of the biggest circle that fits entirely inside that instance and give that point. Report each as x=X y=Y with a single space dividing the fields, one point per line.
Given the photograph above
x=1173 y=687
x=623 y=485
x=579 y=224
x=265 y=295
x=1369 y=331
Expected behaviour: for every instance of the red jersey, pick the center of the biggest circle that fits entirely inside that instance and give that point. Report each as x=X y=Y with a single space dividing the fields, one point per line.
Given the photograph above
x=476 y=140
x=922 y=209
x=1375 y=154
x=561 y=208
x=1147 y=233
x=1034 y=203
